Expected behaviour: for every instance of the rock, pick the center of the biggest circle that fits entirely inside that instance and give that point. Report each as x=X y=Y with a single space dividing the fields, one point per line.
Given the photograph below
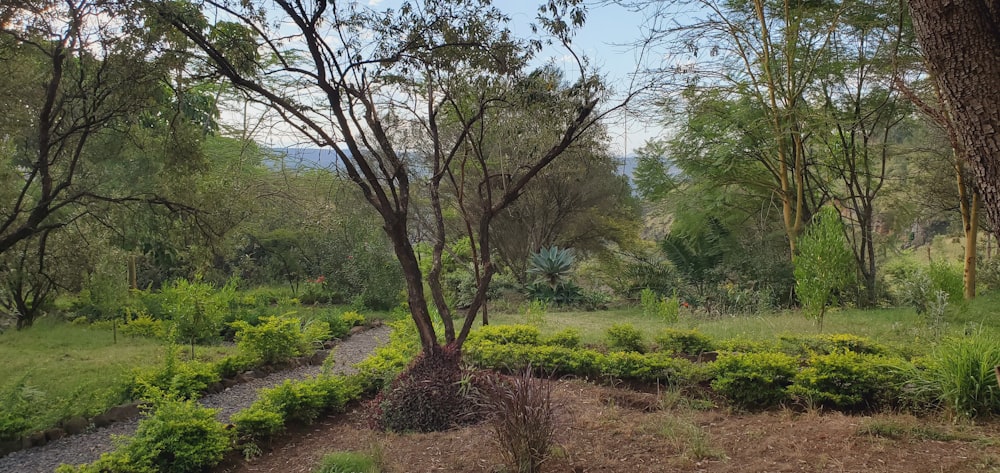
x=123 y=412
x=329 y=344
x=54 y=434
x=357 y=330
x=319 y=357
x=8 y=446
x=34 y=439
x=228 y=383
x=75 y=425
x=102 y=420
x=215 y=388
x=242 y=378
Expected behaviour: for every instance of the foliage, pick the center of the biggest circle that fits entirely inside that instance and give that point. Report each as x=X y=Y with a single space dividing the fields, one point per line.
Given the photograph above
x=559 y=360
x=960 y=375
x=426 y=397
x=567 y=338
x=176 y=437
x=625 y=337
x=823 y=265
x=274 y=340
x=520 y=334
x=754 y=380
x=664 y=308
x=20 y=401
x=389 y=360
x=849 y=381
x=551 y=268
x=181 y=379
x=143 y=325
x=347 y=462
x=298 y=401
x=698 y=253
x=196 y=308
x=688 y=342
x=828 y=344
x=519 y=411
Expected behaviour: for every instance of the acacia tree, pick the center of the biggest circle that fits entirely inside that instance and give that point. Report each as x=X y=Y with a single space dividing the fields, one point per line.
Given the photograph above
x=961 y=43
x=768 y=53
x=353 y=80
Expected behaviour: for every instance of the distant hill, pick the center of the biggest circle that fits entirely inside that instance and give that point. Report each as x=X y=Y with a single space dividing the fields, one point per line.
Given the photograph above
x=325 y=158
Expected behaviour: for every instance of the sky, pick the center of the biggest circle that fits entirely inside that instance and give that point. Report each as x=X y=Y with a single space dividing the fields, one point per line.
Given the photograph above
x=606 y=40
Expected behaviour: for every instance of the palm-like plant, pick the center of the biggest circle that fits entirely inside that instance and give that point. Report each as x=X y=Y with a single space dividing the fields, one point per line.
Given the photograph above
x=551 y=265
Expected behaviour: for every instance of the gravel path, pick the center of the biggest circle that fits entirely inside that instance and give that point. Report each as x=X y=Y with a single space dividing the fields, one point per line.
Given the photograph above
x=87 y=447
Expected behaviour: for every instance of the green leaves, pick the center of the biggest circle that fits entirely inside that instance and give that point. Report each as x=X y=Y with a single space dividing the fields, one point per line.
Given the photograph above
x=552 y=265
x=824 y=264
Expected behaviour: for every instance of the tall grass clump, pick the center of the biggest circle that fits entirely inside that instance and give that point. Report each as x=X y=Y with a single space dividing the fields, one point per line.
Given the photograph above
x=519 y=409
x=961 y=374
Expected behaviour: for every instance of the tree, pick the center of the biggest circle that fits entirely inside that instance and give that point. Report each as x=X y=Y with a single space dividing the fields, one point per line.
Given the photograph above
x=356 y=80
x=767 y=54
x=961 y=42
x=823 y=265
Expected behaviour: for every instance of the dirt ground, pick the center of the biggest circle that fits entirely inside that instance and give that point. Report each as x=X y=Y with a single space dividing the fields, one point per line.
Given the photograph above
x=604 y=429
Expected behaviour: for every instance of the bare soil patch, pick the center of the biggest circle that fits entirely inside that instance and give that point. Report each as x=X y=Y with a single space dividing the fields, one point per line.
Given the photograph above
x=605 y=429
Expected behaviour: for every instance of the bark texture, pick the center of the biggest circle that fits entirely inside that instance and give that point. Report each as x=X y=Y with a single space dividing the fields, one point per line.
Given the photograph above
x=961 y=42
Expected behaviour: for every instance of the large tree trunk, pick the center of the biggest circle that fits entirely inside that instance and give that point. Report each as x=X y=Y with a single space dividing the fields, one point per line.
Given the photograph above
x=961 y=42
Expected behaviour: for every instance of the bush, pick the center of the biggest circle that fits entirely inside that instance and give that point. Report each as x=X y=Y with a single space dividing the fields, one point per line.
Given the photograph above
x=20 y=402
x=664 y=308
x=754 y=380
x=519 y=409
x=184 y=380
x=689 y=342
x=960 y=375
x=848 y=381
x=389 y=360
x=625 y=337
x=143 y=326
x=568 y=338
x=519 y=334
x=426 y=397
x=348 y=462
x=299 y=401
x=275 y=339
x=177 y=437
x=352 y=318
x=827 y=344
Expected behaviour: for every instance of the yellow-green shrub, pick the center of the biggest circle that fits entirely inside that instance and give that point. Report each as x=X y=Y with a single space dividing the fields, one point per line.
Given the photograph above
x=754 y=380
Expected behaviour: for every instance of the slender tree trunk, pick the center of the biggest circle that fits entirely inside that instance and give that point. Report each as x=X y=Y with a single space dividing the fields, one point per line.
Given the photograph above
x=971 y=224
x=961 y=42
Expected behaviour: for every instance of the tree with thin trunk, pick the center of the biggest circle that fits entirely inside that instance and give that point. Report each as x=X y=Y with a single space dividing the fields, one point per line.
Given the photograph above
x=402 y=97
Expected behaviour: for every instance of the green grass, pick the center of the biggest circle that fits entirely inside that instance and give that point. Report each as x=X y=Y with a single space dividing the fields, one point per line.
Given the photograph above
x=348 y=462
x=899 y=326
x=75 y=370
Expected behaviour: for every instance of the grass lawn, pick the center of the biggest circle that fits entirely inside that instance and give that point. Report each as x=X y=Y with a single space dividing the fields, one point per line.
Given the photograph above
x=901 y=326
x=75 y=370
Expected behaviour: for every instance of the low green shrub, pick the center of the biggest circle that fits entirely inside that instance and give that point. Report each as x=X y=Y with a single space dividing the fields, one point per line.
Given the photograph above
x=20 y=402
x=754 y=380
x=567 y=338
x=232 y=365
x=519 y=334
x=352 y=318
x=558 y=361
x=688 y=342
x=827 y=344
x=849 y=381
x=274 y=340
x=294 y=401
x=379 y=369
x=176 y=437
x=745 y=345
x=625 y=337
x=664 y=308
x=181 y=379
x=143 y=326
x=348 y=462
